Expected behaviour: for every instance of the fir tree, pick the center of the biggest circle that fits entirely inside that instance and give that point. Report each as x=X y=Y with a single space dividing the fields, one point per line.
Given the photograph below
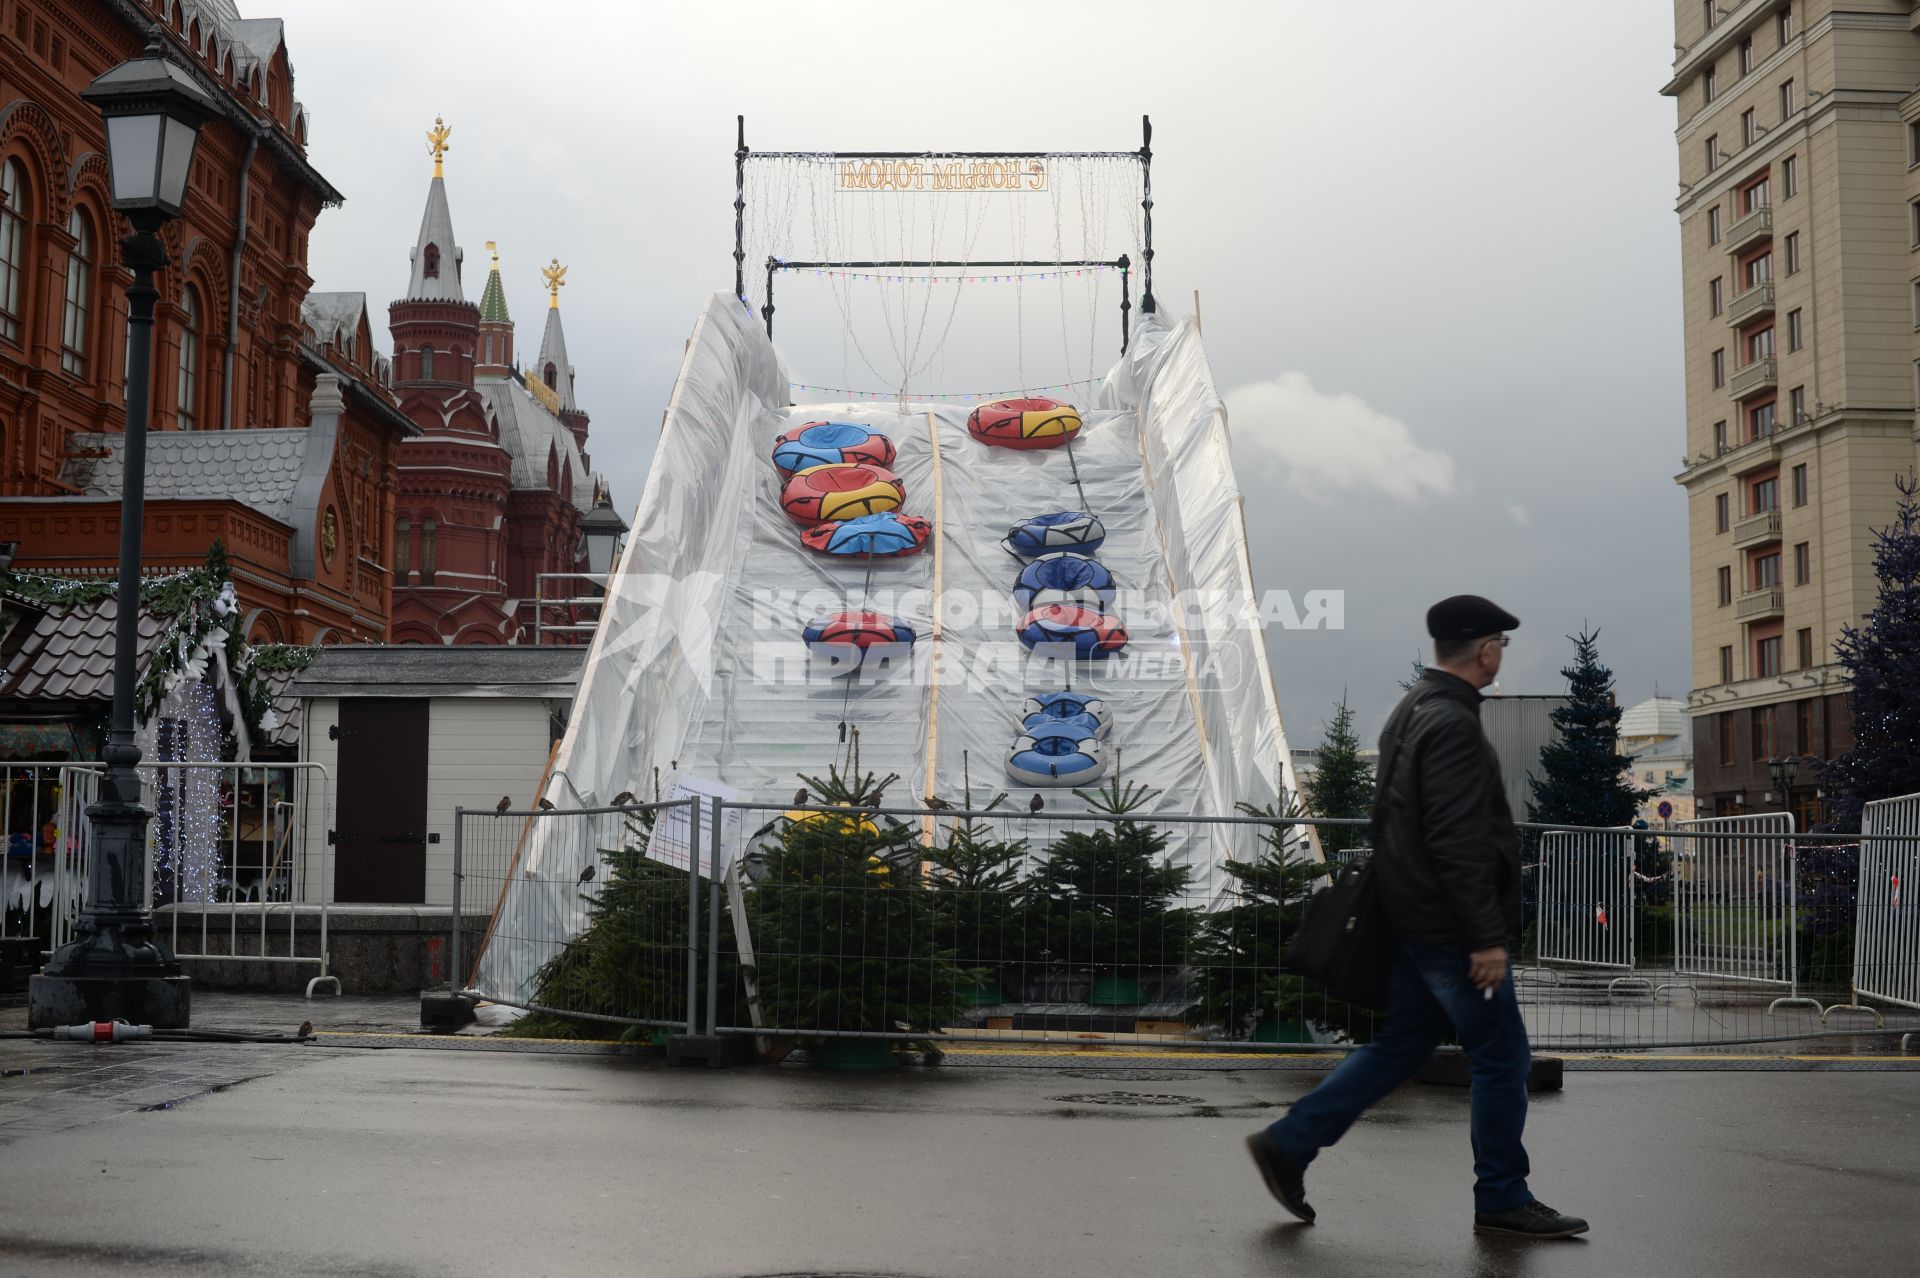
x=1106 y=898
x=1241 y=982
x=1341 y=784
x=1882 y=661
x=1581 y=780
x=978 y=898
x=843 y=934
x=1419 y=673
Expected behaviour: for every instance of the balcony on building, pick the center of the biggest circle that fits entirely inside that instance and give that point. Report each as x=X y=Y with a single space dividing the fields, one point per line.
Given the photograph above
x=1760 y=376
x=1757 y=529
x=1758 y=605
x=1749 y=230
x=1751 y=305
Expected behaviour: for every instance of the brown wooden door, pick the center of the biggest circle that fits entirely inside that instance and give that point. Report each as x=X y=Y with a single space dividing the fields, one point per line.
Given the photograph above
x=380 y=852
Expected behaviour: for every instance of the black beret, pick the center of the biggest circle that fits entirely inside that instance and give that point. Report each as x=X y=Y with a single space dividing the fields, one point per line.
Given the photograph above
x=1468 y=617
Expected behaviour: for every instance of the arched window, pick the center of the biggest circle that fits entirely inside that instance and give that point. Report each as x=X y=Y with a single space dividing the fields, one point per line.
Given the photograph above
x=187 y=385
x=13 y=219
x=551 y=376
x=428 y=529
x=426 y=362
x=489 y=348
x=430 y=263
x=78 y=314
x=402 y=548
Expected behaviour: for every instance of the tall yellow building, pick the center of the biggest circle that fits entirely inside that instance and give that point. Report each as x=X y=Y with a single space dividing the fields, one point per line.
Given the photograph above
x=1799 y=140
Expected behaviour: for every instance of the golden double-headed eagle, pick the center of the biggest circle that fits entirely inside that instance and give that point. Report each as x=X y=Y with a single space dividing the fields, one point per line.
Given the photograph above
x=556 y=278
x=437 y=144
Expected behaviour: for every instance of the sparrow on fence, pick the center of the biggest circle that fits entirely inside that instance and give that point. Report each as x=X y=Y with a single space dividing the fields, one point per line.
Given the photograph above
x=800 y=797
x=546 y=805
x=935 y=803
x=506 y=803
x=305 y=1030
x=586 y=875
x=622 y=799
x=1036 y=803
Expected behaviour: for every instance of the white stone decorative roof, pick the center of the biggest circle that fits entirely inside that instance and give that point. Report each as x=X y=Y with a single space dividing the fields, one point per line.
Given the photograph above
x=1653 y=719
x=436 y=228
x=528 y=431
x=335 y=315
x=258 y=468
x=553 y=350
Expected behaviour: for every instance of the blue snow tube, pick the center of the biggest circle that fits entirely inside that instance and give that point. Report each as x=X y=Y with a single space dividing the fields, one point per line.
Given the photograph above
x=1068 y=705
x=830 y=444
x=1056 y=758
x=1079 y=725
x=886 y=534
x=1061 y=530
x=1064 y=577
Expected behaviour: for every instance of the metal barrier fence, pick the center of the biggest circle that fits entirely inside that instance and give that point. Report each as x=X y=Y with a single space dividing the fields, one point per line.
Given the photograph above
x=1586 y=899
x=864 y=926
x=1886 y=952
x=585 y=913
x=1735 y=905
x=31 y=820
x=226 y=864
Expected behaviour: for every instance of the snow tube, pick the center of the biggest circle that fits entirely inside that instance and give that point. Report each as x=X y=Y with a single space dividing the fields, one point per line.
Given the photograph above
x=829 y=444
x=1066 y=707
x=838 y=490
x=1064 y=577
x=1062 y=530
x=1056 y=759
x=849 y=640
x=880 y=536
x=1024 y=423
x=1079 y=726
x=1090 y=632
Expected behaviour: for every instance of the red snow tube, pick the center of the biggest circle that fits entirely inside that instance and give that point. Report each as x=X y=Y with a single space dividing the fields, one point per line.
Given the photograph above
x=1024 y=423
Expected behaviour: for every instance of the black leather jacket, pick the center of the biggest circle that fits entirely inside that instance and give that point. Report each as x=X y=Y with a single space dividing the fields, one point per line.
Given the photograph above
x=1446 y=853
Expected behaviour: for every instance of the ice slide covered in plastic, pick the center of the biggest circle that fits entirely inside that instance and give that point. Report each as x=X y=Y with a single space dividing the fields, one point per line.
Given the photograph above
x=699 y=672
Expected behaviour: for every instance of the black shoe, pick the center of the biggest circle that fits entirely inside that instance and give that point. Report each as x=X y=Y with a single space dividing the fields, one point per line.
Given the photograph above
x=1534 y=1220
x=1284 y=1180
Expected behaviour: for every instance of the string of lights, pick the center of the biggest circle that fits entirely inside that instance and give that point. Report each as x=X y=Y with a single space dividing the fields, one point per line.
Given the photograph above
x=958 y=396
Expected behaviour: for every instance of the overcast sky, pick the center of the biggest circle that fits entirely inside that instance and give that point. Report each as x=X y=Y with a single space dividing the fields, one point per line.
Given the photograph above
x=1434 y=246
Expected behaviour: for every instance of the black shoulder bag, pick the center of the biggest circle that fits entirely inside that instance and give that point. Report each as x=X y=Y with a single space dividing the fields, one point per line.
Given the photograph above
x=1343 y=941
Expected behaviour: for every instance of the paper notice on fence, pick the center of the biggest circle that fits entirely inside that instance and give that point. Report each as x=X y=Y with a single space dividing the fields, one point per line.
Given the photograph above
x=672 y=832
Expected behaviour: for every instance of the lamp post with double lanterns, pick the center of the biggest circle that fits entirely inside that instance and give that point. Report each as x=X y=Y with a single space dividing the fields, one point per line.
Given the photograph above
x=1782 y=771
x=115 y=968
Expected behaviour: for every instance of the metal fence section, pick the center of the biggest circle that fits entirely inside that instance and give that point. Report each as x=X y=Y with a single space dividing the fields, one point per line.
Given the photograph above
x=1735 y=906
x=33 y=820
x=851 y=930
x=589 y=914
x=1886 y=952
x=1586 y=901
x=228 y=846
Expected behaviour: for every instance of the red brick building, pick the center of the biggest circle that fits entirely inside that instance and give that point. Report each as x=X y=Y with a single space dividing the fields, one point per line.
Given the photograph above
x=274 y=427
x=492 y=491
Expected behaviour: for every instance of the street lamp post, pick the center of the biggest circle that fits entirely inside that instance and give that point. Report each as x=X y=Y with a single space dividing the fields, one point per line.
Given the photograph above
x=1783 y=772
x=115 y=968
x=600 y=533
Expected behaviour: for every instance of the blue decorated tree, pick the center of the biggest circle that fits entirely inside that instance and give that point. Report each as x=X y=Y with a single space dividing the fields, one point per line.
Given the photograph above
x=1882 y=659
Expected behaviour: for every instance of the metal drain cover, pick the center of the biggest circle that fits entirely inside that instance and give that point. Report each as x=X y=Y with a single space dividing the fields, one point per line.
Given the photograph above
x=1130 y=1075
x=1126 y=1098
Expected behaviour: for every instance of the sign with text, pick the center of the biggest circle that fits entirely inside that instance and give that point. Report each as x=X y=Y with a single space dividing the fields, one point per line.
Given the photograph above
x=672 y=836
x=935 y=174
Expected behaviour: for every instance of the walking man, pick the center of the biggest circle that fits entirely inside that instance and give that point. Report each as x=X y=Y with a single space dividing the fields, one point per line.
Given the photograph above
x=1447 y=860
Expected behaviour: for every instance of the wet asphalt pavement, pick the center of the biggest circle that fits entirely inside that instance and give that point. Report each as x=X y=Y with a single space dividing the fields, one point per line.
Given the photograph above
x=331 y=1160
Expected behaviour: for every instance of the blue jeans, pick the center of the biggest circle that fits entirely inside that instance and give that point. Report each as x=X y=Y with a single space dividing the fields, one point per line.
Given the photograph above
x=1429 y=992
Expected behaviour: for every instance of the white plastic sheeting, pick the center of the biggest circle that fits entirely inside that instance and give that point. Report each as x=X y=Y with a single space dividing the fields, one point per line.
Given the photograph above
x=698 y=668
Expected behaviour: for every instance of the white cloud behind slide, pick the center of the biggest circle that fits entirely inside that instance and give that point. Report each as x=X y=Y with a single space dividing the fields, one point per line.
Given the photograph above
x=1324 y=446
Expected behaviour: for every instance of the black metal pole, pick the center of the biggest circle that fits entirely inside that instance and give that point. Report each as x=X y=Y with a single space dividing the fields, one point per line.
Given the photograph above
x=114 y=968
x=739 y=211
x=1126 y=302
x=1146 y=206
x=766 y=312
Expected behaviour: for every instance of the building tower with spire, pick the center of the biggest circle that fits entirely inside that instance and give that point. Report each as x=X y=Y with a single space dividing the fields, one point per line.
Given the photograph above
x=493 y=492
x=455 y=478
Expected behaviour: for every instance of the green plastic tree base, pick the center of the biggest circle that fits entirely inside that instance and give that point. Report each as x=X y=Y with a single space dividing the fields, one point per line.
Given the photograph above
x=1280 y=1032
x=855 y=1054
x=1115 y=991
